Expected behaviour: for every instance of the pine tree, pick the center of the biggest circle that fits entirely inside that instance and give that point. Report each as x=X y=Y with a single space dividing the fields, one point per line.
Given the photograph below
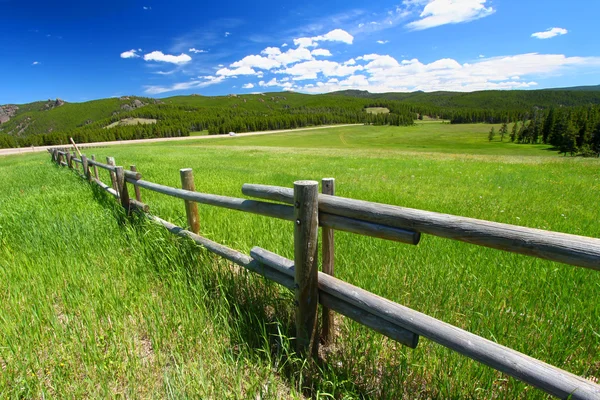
x=492 y=134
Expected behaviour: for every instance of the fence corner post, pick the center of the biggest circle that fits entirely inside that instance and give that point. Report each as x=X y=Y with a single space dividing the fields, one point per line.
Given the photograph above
x=138 y=194
x=306 y=233
x=113 y=178
x=95 y=168
x=328 y=250
x=191 y=208
x=122 y=188
x=86 y=168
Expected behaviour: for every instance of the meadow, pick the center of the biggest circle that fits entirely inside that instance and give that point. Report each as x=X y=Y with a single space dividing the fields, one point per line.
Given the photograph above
x=97 y=305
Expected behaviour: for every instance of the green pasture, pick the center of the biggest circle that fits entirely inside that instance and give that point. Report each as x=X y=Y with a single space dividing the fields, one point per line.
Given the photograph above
x=96 y=305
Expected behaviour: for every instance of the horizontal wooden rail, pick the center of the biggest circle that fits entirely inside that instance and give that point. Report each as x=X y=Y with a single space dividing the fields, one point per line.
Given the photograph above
x=534 y=372
x=562 y=247
x=285 y=277
x=77 y=160
x=135 y=204
x=128 y=174
x=285 y=212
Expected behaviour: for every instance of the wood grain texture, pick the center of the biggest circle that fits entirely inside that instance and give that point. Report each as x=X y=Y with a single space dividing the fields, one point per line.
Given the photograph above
x=110 y=161
x=86 y=168
x=191 y=207
x=546 y=377
x=122 y=188
x=138 y=194
x=327 y=251
x=561 y=247
x=93 y=162
x=306 y=234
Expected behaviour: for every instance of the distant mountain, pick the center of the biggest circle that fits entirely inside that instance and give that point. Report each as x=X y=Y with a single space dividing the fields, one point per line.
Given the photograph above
x=595 y=88
x=489 y=99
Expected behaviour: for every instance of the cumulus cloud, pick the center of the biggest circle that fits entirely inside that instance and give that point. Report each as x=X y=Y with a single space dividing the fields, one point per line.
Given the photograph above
x=193 y=84
x=274 y=82
x=196 y=51
x=35 y=63
x=168 y=58
x=227 y=34
x=248 y=86
x=336 y=35
x=383 y=73
x=382 y=41
x=550 y=33
x=130 y=54
x=321 y=52
x=442 y=12
x=256 y=61
x=245 y=70
x=147 y=8
x=311 y=69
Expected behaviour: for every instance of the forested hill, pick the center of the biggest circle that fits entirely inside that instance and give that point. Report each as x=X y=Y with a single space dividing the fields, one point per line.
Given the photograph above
x=54 y=121
x=490 y=99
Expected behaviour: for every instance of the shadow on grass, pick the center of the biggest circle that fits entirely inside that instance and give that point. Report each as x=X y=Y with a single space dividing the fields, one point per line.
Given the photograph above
x=259 y=315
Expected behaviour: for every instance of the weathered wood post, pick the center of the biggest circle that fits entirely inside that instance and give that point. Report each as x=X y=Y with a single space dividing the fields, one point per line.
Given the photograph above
x=86 y=168
x=59 y=158
x=54 y=155
x=113 y=177
x=138 y=195
x=191 y=207
x=122 y=188
x=95 y=168
x=306 y=232
x=328 y=246
x=75 y=163
x=69 y=160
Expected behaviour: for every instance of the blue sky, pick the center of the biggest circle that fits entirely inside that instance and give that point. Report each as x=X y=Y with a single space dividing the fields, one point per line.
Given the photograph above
x=81 y=50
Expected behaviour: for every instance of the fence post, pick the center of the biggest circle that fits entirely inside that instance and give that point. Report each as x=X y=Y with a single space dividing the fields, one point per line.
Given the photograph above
x=113 y=177
x=306 y=232
x=69 y=160
x=328 y=246
x=122 y=188
x=138 y=195
x=191 y=207
x=58 y=158
x=54 y=155
x=86 y=167
x=95 y=168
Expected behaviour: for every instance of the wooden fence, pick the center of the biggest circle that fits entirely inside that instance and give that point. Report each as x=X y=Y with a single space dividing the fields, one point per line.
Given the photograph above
x=309 y=210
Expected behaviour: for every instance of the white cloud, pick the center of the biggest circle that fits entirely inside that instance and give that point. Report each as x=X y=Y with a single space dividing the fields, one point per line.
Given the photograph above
x=227 y=34
x=193 y=84
x=550 y=33
x=235 y=72
x=305 y=42
x=160 y=57
x=311 y=69
x=481 y=56
x=274 y=82
x=383 y=73
x=147 y=8
x=292 y=56
x=284 y=45
x=196 y=51
x=248 y=86
x=336 y=35
x=361 y=25
x=442 y=12
x=129 y=54
x=321 y=52
x=35 y=63
x=257 y=62
x=382 y=41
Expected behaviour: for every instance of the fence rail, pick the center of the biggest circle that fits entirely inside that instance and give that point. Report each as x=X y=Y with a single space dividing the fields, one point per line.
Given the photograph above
x=310 y=210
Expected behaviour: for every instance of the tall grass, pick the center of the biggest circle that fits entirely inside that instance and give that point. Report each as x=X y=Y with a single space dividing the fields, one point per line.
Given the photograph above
x=86 y=287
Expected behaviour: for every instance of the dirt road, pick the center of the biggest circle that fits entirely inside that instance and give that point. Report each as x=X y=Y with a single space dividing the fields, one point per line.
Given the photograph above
x=25 y=150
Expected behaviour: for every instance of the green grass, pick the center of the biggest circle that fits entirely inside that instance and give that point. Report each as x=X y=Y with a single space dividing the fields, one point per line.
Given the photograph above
x=93 y=305
x=425 y=136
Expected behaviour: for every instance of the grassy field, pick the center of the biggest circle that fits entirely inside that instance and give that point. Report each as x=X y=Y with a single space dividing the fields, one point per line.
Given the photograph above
x=425 y=136
x=94 y=305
